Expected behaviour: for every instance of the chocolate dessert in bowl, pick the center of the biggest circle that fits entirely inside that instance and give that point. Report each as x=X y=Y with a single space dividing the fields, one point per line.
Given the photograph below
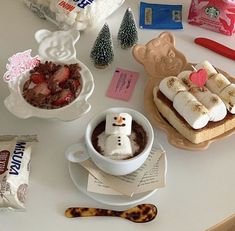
x=51 y=86
x=118 y=141
x=57 y=86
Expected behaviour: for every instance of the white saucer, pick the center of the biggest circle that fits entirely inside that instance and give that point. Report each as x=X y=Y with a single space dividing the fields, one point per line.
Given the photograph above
x=79 y=176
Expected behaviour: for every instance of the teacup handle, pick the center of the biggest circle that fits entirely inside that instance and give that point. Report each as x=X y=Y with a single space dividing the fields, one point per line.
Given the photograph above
x=76 y=153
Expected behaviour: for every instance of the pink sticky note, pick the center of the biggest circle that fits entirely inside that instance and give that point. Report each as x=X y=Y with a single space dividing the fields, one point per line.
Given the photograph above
x=122 y=84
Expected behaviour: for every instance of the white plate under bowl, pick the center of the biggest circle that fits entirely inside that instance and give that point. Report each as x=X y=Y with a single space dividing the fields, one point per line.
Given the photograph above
x=79 y=176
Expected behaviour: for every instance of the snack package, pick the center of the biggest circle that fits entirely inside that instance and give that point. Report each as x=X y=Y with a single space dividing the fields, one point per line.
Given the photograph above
x=214 y=15
x=15 y=154
x=160 y=16
x=82 y=14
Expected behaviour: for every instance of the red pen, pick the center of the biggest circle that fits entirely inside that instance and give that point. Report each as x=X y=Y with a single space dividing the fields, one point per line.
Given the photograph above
x=216 y=47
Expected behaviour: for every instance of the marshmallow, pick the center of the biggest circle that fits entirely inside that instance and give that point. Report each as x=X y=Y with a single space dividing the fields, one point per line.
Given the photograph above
x=191 y=110
x=170 y=86
x=209 y=68
x=217 y=83
x=228 y=97
x=216 y=107
x=118 y=123
x=184 y=77
x=212 y=102
x=118 y=147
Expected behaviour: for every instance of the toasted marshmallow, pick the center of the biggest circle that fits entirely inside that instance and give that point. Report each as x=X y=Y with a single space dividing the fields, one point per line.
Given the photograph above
x=118 y=147
x=191 y=110
x=215 y=106
x=208 y=66
x=170 y=86
x=228 y=97
x=184 y=77
x=217 y=82
x=212 y=102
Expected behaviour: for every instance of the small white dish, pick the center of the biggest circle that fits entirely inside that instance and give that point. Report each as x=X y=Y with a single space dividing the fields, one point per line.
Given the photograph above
x=18 y=106
x=79 y=176
x=59 y=48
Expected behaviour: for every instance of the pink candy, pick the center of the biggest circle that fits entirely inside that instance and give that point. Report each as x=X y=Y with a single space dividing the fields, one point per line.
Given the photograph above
x=216 y=15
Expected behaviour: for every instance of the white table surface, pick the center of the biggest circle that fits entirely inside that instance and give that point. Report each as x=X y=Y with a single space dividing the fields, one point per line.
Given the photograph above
x=200 y=185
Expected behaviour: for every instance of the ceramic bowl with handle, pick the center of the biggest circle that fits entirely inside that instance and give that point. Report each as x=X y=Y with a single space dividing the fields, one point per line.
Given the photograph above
x=57 y=47
x=81 y=151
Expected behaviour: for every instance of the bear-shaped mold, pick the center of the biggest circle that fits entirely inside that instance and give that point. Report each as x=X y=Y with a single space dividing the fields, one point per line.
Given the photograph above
x=160 y=57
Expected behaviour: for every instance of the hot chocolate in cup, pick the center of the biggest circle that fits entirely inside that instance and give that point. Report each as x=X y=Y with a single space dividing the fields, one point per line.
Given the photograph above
x=82 y=151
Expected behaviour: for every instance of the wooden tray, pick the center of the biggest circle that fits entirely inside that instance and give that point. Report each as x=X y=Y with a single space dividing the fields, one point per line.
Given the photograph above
x=154 y=78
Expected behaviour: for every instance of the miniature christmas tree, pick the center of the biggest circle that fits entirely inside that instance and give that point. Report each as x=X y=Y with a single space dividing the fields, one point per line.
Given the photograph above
x=102 y=51
x=127 y=34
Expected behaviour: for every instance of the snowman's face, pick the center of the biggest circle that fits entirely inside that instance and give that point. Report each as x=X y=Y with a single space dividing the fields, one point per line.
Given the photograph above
x=118 y=123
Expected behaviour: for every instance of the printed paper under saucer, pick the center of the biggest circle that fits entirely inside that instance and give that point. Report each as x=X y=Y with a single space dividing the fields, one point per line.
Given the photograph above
x=150 y=176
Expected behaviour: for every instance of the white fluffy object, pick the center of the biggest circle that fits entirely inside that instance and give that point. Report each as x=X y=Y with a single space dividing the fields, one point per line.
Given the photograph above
x=118 y=147
x=59 y=11
x=118 y=123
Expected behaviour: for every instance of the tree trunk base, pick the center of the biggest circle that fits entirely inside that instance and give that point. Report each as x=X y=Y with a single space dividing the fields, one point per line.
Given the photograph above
x=100 y=66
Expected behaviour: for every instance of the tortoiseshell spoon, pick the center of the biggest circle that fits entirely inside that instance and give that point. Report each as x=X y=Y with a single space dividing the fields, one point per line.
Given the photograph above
x=139 y=214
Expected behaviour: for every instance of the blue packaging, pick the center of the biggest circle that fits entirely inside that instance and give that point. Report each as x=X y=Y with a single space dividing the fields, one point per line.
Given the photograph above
x=160 y=16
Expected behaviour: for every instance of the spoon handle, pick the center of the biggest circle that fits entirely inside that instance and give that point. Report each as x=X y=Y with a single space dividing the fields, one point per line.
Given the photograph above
x=88 y=212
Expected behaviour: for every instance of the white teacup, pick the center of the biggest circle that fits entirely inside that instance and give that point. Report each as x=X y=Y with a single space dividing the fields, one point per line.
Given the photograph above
x=81 y=151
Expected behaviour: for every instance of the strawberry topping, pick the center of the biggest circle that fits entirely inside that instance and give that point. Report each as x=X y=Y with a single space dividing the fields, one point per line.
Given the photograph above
x=42 y=88
x=65 y=96
x=61 y=75
x=73 y=84
x=37 y=78
x=52 y=85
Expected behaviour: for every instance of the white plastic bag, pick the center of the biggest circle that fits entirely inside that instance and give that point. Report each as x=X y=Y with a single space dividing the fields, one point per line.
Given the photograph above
x=80 y=13
x=15 y=156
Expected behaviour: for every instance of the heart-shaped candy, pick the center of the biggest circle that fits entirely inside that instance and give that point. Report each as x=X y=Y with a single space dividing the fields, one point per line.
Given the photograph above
x=199 y=78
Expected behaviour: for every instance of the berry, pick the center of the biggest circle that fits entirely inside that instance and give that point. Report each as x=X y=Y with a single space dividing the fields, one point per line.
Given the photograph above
x=61 y=75
x=74 y=84
x=37 y=78
x=42 y=88
x=65 y=97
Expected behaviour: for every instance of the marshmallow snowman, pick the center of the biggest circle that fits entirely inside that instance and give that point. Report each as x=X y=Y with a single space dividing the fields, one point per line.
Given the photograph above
x=118 y=128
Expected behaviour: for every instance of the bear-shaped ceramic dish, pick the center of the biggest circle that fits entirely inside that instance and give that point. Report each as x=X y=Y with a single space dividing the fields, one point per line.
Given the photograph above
x=161 y=59
x=59 y=48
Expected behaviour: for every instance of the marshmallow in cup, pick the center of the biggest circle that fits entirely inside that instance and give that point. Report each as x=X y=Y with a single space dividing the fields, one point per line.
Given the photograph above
x=80 y=152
